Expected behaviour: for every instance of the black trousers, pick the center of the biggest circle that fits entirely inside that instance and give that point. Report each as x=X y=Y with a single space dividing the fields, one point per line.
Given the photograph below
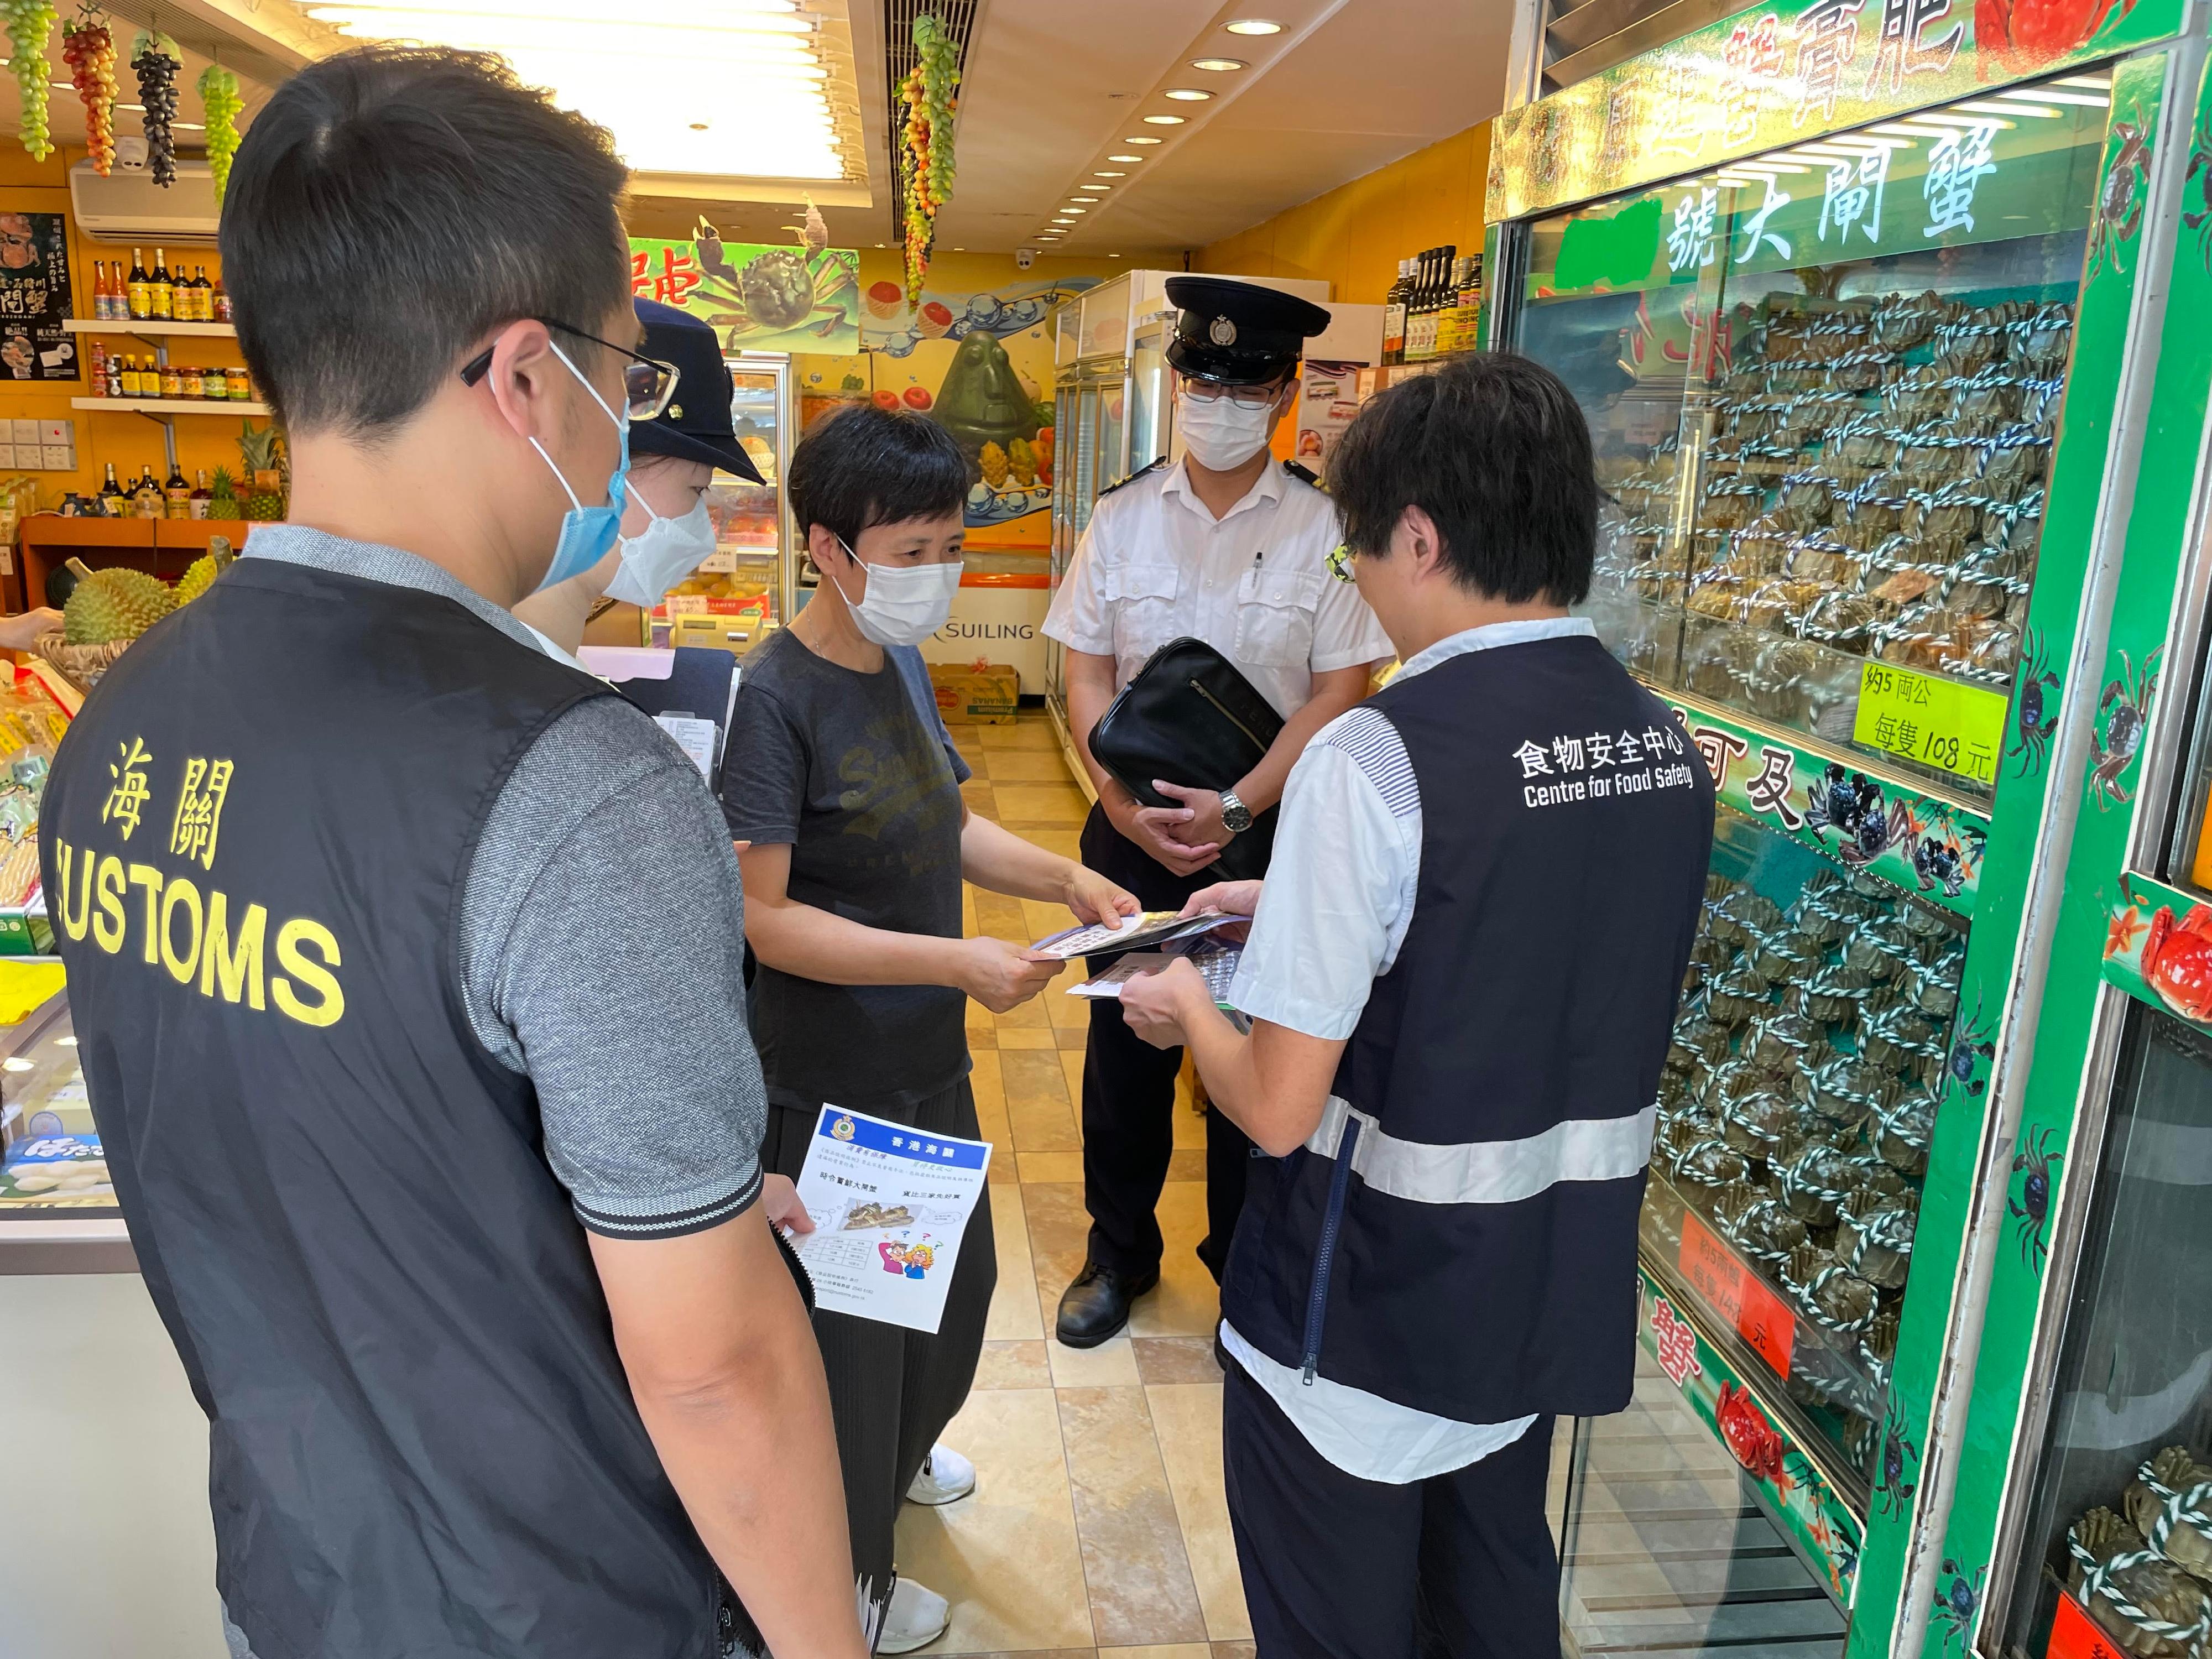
x=1334 y=1567
x=1129 y=1098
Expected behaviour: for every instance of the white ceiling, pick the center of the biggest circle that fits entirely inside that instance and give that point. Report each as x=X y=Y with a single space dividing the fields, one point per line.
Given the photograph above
x=1052 y=87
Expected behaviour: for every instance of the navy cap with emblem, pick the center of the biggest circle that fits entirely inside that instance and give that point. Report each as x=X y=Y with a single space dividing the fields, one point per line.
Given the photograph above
x=697 y=424
x=1238 y=333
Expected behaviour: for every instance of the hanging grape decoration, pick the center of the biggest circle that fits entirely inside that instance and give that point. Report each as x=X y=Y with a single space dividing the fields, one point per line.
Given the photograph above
x=929 y=171
x=29 y=23
x=88 y=49
x=219 y=97
x=156 y=58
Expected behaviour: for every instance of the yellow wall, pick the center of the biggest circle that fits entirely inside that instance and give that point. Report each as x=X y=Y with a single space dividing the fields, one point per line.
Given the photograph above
x=130 y=440
x=1354 y=236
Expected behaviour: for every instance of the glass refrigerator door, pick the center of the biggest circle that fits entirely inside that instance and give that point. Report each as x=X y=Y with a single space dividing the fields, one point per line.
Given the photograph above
x=1151 y=400
x=744 y=590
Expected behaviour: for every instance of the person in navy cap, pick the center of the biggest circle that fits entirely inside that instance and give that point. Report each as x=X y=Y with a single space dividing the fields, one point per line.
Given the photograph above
x=1224 y=546
x=665 y=531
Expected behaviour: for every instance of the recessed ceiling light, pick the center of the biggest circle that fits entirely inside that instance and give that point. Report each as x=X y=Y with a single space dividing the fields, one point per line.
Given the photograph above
x=16 y=1062
x=1164 y=120
x=698 y=126
x=1113 y=256
x=1185 y=95
x=1253 y=25
x=1103 y=173
x=1073 y=207
x=1141 y=140
x=1217 y=65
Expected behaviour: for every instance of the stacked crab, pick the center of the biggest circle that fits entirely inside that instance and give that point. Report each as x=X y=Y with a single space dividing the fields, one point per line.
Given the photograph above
x=1798 y=1102
x=2142 y=1572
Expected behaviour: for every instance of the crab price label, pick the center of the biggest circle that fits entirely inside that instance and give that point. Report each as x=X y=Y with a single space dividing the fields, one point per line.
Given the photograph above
x=1937 y=722
x=1737 y=1295
x=2074 y=1637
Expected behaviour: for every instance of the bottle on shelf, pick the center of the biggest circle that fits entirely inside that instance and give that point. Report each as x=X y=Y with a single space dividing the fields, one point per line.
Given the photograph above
x=187 y=301
x=118 y=293
x=147 y=501
x=140 y=290
x=127 y=379
x=220 y=301
x=112 y=500
x=98 y=364
x=114 y=375
x=1417 y=305
x=200 y=495
x=177 y=494
x=203 y=295
x=173 y=380
x=161 y=289
x=1394 y=314
x=1470 y=303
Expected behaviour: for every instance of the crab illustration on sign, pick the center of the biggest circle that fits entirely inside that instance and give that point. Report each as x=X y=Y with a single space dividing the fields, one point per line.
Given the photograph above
x=2120 y=197
x=2032 y=724
x=1958 y=1603
x=1943 y=859
x=2177 y=961
x=804 y=298
x=1970 y=1039
x=2024 y=35
x=2125 y=709
x=2030 y=1212
x=1752 y=1440
x=1894 y=1488
x=2199 y=218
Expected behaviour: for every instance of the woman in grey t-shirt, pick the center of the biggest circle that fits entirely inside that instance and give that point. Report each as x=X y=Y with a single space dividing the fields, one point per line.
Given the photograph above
x=840 y=774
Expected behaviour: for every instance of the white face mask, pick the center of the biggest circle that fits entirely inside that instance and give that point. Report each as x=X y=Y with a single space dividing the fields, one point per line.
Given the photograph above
x=662 y=555
x=904 y=604
x=1218 y=434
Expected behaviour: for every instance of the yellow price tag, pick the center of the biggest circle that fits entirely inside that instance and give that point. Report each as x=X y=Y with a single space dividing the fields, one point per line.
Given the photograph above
x=1938 y=722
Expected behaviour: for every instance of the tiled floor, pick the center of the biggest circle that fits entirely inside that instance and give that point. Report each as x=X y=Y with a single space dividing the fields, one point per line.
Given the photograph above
x=1097 y=1524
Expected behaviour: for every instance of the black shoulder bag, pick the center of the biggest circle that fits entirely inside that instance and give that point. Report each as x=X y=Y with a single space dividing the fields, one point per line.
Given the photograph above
x=1188 y=717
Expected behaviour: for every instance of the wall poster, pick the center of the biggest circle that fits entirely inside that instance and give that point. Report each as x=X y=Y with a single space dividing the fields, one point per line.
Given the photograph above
x=35 y=298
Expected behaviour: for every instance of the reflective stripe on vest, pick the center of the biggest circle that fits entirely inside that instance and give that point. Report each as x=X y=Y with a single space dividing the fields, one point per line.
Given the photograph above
x=1488 y=1171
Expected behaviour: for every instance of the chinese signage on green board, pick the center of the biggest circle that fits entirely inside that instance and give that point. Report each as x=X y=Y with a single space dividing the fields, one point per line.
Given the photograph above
x=758 y=297
x=1779 y=75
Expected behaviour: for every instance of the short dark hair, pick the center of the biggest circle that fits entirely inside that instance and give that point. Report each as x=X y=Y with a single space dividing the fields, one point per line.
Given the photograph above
x=1495 y=449
x=392 y=204
x=864 y=466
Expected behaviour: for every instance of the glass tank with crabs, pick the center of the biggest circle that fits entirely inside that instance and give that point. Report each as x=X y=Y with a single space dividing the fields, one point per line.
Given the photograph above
x=1862 y=303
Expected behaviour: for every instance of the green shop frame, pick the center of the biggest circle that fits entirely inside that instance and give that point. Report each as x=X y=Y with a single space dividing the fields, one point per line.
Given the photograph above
x=1867 y=305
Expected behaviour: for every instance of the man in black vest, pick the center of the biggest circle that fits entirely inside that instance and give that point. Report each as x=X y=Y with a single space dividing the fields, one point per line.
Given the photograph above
x=1461 y=973
x=406 y=960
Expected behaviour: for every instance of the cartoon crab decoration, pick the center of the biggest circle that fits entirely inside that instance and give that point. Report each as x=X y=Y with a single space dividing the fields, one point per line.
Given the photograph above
x=1849 y=804
x=1970 y=1039
x=2177 y=961
x=2125 y=710
x=2120 y=197
x=2031 y=724
x=1893 y=1489
x=1959 y=1602
x=2199 y=219
x=1942 y=860
x=777 y=291
x=2030 y=1212
x=1752 y=1440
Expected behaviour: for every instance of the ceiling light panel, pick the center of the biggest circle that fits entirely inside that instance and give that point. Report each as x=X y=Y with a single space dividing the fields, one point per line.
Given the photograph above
x=1164 y=121
x=1253 y=25
x=1218 y=65
x=1187 y=94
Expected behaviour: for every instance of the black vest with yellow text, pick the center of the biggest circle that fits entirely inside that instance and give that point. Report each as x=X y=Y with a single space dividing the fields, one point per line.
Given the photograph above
x=255 y=839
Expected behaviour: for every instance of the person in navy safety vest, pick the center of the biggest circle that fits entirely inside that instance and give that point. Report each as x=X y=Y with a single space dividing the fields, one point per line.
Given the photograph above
x=406 y=960
x=1461 y=974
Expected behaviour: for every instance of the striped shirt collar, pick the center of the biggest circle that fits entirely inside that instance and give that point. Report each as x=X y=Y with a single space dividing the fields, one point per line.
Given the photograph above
x=1493 y=635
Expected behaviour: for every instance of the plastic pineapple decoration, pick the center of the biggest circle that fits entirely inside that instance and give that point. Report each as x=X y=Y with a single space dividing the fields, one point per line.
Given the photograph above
x=929 y=171
x=258 y=448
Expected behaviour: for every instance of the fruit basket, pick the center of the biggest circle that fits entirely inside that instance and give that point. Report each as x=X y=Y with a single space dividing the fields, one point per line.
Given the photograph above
x=82 y=666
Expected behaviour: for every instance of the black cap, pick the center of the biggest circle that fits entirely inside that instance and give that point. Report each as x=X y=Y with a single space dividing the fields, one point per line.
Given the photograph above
x=696 y=426
x=1238 y=333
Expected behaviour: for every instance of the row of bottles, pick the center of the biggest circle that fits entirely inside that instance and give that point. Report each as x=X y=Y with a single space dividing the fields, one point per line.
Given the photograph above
x=155 y=295
x=1431 y=311
x=148 y=499
x=117 y=375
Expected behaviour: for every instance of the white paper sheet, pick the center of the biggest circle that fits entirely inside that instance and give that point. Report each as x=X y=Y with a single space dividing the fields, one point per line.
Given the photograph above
x=889 y=1205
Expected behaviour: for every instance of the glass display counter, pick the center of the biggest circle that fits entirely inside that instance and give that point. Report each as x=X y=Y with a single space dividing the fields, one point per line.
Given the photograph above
x=58 y=1208
x=747 y=588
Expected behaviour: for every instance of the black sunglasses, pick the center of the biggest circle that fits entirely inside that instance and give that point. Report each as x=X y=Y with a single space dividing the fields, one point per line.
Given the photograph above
x=648 y=385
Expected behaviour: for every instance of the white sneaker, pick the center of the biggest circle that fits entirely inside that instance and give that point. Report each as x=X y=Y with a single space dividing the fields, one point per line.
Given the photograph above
x=946 y=1475
x=916 y=1617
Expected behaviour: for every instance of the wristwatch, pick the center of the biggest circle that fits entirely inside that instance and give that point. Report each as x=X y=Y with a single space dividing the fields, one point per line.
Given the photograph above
x=1236 y=816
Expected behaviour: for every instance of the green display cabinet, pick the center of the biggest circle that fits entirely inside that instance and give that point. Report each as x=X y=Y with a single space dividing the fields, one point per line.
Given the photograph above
x=1867 y=308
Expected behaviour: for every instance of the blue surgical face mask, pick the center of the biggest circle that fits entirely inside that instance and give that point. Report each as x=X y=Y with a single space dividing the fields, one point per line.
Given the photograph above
x=588 y=533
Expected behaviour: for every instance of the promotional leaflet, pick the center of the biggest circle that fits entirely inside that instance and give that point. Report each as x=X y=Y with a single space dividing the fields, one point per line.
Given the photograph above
x=1128 y=932
x=889 y=1204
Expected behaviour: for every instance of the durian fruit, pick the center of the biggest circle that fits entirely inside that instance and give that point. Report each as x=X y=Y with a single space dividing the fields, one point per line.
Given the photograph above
x=204 y=569
x=115 y=605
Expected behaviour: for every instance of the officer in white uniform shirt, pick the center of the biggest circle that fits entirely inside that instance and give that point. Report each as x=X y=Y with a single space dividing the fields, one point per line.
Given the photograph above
x=1228 y=547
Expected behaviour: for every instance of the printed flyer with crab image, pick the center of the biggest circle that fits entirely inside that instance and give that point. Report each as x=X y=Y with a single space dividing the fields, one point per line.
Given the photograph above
x=890 y=1203
x=2158 y=949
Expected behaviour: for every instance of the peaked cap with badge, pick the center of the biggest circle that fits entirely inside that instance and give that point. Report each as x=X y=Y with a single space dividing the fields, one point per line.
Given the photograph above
x=1238 y=333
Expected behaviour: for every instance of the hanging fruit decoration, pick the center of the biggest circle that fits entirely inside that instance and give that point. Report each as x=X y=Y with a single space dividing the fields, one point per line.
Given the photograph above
x=157 y=58
x=219 y=97
x=930 y=107
x=88 y=49
x=29 y=23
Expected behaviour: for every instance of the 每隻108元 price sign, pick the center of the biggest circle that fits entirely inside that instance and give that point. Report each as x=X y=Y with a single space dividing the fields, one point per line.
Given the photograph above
x=1937 y=722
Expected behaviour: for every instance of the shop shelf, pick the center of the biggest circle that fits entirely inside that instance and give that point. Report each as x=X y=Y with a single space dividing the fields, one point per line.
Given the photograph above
x=152 y=325
x=170 y=405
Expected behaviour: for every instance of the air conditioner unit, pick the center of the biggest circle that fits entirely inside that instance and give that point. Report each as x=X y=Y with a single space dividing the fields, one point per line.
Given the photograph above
x=128 y=206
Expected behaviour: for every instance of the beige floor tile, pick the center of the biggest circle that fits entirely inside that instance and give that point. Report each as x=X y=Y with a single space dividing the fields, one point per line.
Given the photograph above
x=1236 y=1650
x=1186 y=1421
x=1133 y=1564
x=1029 y=1036
x=1026 y=765
x=976 y=792
x=1176 y=1359
x=1189 y=1126
x=1013 y=1316
x=991 y=1113
x=1033 y=733
x=1071 y=1065
x=1008 y=1558
x=1001 y=917
x=1052 y=1166
x=1058 y=804
x=968 y=928
x=1187 y=1164
x=1013 y=1366
x=981 y=1038
x=1031 y=1015
x=1065 y=842
x=1171 y=1650
x=1111 y=1365
x=1059 y=1232
x=1038 y=1104
x=1045 y=917
x=1188 y=1301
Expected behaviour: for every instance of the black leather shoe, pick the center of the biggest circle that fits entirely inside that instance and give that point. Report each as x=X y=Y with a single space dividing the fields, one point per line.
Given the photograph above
x=1096 y=1305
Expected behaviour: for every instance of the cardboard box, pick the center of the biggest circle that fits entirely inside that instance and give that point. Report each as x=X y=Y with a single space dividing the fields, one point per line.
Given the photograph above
x=977 y=693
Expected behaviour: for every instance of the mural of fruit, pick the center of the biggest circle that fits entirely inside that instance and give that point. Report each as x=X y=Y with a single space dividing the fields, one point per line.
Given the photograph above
x=1021 y=462
x=981 y=400
x=2177 y=961
x=885 y=300
x=917 y=396
x=886 y=398
x=994 y=463
x=934 y=319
